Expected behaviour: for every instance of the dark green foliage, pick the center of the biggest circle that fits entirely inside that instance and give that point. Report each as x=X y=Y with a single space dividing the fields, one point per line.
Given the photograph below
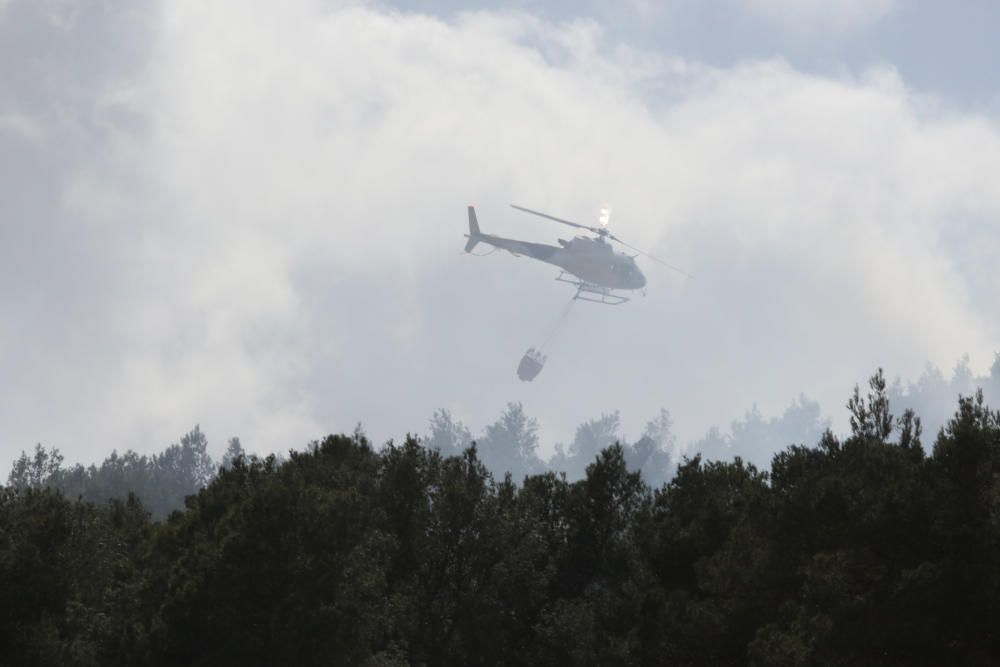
x=858 y=551
x=71 y=580
x=289 y=566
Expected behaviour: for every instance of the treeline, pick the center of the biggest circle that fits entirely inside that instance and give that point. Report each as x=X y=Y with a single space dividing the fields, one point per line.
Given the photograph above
x=933 y=393
x=861 y=550
x=161 y=481
x=510 y=444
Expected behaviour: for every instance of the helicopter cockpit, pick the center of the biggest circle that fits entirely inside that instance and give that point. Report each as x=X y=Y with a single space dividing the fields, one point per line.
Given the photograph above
x=634 y=277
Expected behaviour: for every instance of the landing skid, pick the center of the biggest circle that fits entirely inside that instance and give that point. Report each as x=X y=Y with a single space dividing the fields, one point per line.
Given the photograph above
x=594 y=293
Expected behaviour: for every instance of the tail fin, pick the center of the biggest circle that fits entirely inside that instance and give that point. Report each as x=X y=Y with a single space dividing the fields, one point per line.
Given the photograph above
x=474 y=233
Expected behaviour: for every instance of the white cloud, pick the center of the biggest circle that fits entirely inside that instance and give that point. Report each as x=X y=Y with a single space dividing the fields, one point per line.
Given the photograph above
x=819 y=16
x=288 y=219
x=19 y=125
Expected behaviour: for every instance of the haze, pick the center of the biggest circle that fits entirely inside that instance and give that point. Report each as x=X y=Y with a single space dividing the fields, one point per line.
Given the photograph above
x=249 y=215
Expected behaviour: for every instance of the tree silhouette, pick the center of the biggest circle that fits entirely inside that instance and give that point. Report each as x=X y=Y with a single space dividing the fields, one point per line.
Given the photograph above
x=862 y=549
x=510 y=444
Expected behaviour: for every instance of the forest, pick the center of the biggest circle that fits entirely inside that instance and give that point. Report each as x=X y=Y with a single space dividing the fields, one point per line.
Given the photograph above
x=878 y=547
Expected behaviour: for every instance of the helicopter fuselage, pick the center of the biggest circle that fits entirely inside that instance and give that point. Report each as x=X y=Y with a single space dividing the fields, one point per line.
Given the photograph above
x=593 y=261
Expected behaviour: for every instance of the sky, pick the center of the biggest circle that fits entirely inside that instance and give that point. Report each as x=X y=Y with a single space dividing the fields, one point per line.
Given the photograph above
x=248 y=215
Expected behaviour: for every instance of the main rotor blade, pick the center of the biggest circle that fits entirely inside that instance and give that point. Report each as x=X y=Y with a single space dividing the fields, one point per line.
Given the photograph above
x=652 y=257
x=602 y=231
x=555 y=219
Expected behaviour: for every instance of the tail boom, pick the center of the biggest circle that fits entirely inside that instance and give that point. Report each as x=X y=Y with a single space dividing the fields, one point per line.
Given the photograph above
x=514 y=246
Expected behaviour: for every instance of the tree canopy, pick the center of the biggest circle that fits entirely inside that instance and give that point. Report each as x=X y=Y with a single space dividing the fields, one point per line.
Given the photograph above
x=866 y=549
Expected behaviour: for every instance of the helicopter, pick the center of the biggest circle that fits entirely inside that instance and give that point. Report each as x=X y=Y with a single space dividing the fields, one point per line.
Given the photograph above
x=590 y=264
